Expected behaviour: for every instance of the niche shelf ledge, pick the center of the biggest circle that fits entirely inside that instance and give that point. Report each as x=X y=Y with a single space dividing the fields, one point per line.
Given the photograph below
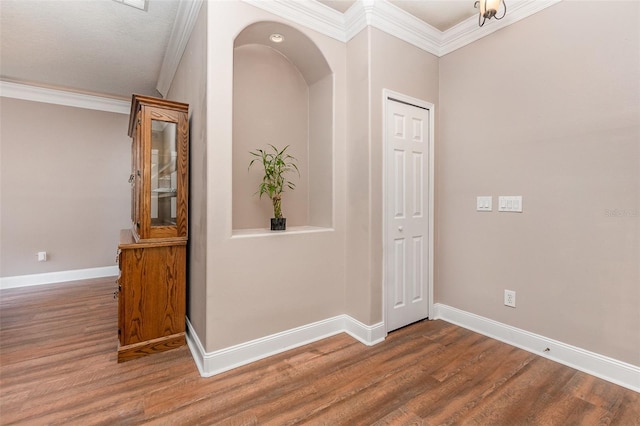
x=265 y=232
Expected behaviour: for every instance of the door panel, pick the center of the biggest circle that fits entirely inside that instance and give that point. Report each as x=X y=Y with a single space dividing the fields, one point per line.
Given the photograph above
x=399 y=274
x=407 y=219
x=399 y=187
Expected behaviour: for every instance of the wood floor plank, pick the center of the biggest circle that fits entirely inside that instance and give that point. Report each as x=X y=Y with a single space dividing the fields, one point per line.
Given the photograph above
x=335 y=387
x=523 y=394
x=400 y=417
x=463 y=392
x=58 y=366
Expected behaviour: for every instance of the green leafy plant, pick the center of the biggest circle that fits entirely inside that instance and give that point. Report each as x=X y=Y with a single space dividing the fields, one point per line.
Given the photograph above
x=276 y=164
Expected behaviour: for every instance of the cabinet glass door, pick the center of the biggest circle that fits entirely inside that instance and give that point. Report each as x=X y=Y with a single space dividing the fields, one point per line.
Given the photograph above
x=164 y=173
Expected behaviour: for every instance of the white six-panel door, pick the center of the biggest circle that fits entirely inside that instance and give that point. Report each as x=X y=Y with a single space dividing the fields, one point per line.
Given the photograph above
x=406 y=213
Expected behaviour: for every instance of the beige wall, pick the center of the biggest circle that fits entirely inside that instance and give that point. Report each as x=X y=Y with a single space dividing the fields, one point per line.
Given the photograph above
x=190 y=85
x=260 y=285
x=548 y=108
x=377 y=61
x=321 y=152
x=270 y=106
x=358 y=268
x=63 y=186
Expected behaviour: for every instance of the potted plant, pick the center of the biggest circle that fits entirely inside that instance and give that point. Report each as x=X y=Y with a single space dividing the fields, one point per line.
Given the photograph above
x=276 y=164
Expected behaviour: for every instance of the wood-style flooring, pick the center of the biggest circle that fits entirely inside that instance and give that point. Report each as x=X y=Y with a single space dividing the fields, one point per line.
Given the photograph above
x=58 y=367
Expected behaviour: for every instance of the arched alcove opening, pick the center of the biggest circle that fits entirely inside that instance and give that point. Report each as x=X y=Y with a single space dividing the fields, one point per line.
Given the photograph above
x=282 y=95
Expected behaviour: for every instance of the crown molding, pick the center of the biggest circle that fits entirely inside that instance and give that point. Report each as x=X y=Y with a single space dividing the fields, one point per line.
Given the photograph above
x=356 y=19
x=309 y=13
x=389 y=18
x=62 y=97
x=186 y=18
x=392 y=20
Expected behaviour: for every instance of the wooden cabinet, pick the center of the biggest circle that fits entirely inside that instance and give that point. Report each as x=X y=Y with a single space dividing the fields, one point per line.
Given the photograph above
x=152 y=254
x=151 y=297
x=159 y=168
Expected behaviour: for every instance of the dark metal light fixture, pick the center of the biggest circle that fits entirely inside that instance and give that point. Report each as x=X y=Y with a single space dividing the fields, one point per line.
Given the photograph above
x=489 y=9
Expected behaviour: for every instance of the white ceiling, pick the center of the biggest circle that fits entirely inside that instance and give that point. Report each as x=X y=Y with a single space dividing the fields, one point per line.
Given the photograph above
x=108 y=48
x=441 y=14
x=97 y=46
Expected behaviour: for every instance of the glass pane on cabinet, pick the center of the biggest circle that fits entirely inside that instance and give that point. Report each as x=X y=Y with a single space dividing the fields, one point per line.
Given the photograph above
x=164 y=175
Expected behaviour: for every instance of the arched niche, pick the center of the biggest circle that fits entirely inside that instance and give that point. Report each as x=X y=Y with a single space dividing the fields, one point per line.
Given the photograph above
x=282 y=95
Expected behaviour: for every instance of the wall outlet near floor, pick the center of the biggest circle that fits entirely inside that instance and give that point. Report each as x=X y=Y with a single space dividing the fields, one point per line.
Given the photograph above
x=510 y=298
x=42 y=256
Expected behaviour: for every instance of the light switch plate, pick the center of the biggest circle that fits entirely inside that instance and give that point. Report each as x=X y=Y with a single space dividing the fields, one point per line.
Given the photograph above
x=484 y=203
x=510 y=203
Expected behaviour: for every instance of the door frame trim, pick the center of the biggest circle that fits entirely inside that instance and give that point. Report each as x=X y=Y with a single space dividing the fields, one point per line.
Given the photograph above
x=399 y=97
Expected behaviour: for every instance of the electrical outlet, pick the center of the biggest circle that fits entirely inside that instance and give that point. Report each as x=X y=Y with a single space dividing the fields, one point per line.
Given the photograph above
x=42 y=256
x=510 y=298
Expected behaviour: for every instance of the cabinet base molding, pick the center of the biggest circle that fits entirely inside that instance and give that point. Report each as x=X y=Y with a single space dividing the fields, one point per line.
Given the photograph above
x=137 y=350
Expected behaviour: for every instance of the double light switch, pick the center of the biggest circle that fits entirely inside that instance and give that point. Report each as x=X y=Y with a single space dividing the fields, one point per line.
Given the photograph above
x=483 y=203
x=506 y=203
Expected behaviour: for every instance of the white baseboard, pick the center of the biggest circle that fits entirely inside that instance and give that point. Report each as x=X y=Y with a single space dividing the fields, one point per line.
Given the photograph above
x=212 y=363
x=367 y=334
x=57 y=277
x=612 y=370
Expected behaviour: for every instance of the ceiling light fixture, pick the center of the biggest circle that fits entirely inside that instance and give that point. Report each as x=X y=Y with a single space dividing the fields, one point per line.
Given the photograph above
x=276 y=38
x=489 y=9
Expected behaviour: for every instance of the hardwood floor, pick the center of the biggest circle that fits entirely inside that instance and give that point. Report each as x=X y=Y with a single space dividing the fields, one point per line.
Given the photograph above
x=58 y=366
